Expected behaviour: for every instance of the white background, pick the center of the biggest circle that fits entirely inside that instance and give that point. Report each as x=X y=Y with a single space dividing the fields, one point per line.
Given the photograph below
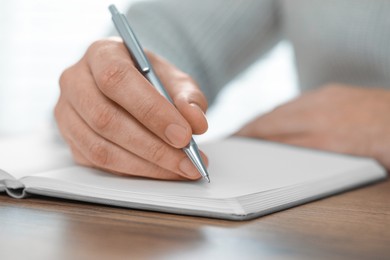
x=39 y=38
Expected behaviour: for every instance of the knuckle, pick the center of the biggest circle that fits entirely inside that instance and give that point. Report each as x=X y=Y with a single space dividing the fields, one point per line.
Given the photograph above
x=98 y=46
x=99 y=154
x=60 y=116
x=156 y=152
x=103 y=116
x=73 y=130
x=104 y=47
x=57 y=111
x=147 y=110
x=113 y=76
x=64 y=80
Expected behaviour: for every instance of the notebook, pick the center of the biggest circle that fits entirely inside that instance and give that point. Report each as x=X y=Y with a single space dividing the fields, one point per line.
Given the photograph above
x=249 y=178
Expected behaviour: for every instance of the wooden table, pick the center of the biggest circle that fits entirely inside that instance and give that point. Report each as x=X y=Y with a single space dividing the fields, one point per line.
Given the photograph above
x=353 y=225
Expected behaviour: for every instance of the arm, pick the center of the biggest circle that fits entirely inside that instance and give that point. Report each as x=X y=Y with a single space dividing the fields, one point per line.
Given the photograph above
x=213 y=41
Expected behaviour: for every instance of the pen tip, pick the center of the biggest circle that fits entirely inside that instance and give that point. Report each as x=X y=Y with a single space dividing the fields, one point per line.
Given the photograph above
x=207 y=178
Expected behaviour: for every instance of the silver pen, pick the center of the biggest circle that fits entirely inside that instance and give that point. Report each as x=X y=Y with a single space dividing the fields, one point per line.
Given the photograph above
x=143 y=65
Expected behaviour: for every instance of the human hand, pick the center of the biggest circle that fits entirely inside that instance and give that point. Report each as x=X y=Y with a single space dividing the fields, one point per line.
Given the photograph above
x=113 y=118
x=335 y=118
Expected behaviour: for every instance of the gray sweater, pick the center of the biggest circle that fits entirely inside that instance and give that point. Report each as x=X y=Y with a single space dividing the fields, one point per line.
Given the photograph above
x=344 y=41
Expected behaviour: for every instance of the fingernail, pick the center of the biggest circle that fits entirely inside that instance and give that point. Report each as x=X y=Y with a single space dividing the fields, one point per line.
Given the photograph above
x=176 y=134
x=188 y=168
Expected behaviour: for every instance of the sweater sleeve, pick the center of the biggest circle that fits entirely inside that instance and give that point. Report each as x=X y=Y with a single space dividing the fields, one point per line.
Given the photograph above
x=213 y=41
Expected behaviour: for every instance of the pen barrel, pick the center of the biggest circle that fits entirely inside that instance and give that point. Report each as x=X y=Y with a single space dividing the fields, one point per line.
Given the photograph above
x=131 y=42
x=155 y=81
x=142 y=63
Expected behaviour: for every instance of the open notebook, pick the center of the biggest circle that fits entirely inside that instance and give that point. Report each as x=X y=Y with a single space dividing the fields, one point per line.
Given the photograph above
x=249 y=178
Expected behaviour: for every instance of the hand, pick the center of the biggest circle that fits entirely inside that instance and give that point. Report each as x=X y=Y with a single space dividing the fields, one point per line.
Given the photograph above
x=113 y=119
x=335 y=118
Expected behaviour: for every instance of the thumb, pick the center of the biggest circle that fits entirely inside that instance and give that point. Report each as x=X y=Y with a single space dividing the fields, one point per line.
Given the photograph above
x=184 y=91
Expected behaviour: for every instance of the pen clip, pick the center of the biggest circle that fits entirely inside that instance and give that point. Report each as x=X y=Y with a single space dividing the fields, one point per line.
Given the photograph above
x=137 y=53
x=130 y=40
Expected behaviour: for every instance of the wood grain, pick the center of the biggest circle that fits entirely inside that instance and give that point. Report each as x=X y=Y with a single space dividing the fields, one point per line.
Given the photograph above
x=353 y=225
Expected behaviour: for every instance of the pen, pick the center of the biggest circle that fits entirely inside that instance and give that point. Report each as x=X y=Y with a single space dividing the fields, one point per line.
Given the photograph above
x=143 y=65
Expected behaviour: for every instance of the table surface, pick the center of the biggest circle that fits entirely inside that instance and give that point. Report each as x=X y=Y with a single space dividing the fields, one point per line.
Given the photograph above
x=352 y=225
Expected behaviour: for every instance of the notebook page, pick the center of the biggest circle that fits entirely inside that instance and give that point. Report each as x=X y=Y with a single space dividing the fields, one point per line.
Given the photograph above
x=25 y=155
x=237 y=167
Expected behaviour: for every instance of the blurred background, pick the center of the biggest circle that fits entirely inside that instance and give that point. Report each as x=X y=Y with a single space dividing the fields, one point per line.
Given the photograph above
x=39 y=38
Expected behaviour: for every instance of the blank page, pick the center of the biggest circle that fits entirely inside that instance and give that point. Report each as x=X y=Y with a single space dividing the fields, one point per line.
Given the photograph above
x=25 y=155
x=237 y=167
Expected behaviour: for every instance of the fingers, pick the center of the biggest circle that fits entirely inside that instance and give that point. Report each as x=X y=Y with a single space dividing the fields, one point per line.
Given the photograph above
x=114 y=124
x=91 y=149
x=295 y=123
x=113 y=119
x=317 y=140
x=289 y=119
x=271 y=125
x=118 y=79
x=187 y=96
